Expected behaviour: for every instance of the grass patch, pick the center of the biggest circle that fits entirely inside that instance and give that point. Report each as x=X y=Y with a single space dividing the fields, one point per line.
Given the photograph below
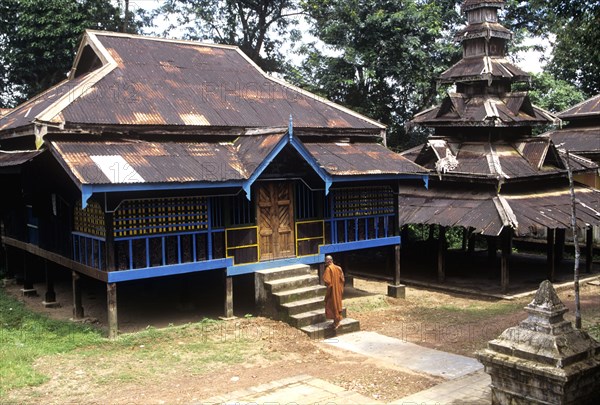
x=366 y=304
x=143 y=356
x=26 y=336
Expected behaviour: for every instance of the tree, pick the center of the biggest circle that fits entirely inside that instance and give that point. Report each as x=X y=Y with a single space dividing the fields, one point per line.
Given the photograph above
x=553 y=94
x=258 y=27
x=572 y=28
x=384 y=56
x=38 y=40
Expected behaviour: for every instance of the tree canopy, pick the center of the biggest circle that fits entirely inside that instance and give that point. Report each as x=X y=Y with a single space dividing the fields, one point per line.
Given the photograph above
x=258 y=27
x=384 y=56
x=38 y=40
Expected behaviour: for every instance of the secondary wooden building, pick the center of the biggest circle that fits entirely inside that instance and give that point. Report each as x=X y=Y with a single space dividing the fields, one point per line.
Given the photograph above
x=490 y=175
x=161 y=157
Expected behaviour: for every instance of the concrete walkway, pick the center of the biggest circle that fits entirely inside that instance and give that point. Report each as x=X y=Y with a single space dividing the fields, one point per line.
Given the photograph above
x=407 y=355
x=466 y=382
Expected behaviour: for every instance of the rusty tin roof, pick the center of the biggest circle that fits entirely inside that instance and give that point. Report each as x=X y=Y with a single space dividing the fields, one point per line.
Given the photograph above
x=585 y=109
x=488 y=212
x=17 y=157
x=141 y=81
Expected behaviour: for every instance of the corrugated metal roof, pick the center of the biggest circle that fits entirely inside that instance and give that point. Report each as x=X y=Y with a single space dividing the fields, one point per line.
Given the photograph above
x=501 y=159
x=585 y=109
x=361 y=159
x=151 y=81
x=94 y=162
x=513 y=109
x=483 y=68
x=579 y=140
x=17 y=157
x=486 y=211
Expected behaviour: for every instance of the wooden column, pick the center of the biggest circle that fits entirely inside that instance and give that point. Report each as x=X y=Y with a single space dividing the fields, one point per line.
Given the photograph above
x=465 y=239
x=471 y=247
x=397 y=265
x=111 y=303
x=77 y=307
x=28 y=289
x=589 y=249
x=491 y=248
x=228 y=297
x=50 y=296
x=110 y=242
x=441 y=255
x=506 y=237
x=396 y=290
x=550 y=250
x=560 y=245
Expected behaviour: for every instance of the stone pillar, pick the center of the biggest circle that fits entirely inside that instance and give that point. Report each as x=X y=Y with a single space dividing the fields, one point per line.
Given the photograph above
x=589 y=249
x=77 y=307
x=397 y=290
x=50 y=296
x=550 y=250
x=544 y=360
x=111 y=303
x=441 y=255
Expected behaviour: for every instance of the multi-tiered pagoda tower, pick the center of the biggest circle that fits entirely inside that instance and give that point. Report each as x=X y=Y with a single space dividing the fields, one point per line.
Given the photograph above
x=489 y=173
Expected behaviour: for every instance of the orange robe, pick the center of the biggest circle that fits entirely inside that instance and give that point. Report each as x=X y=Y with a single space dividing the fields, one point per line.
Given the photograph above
x=333 y=277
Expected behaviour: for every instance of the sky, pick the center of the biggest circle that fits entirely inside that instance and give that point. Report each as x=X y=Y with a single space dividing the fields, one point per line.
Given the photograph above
x=528 y=61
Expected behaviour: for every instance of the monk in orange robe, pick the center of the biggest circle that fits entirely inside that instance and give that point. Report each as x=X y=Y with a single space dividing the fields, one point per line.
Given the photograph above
x=333 y=277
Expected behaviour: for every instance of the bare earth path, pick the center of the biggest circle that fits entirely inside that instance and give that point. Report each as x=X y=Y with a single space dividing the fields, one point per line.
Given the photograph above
x=189 y=363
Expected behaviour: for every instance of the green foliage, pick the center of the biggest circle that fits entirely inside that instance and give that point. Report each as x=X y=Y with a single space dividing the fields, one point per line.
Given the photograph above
x=25 y=336
x=38 y=40
x=572 y=28
x=553 y=94
x=381 y=57
x=259 y=28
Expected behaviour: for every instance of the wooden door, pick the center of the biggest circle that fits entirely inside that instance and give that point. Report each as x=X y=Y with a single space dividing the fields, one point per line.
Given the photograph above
x=275 y=220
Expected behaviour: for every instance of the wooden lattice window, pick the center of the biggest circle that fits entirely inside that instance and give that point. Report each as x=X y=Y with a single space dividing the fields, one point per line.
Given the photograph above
x=363 y=201
x=89 y=220
x=161 y=215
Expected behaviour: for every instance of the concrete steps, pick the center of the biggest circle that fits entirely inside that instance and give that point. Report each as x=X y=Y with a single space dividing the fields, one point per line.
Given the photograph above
x=293 y=294
x=325 y=330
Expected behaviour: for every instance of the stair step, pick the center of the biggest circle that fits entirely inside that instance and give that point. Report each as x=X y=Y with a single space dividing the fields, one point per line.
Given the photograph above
x=292 y=283
x=307 y=318
x=296 y=307
x=292 y=270
x=324 y=330
x=298 y=294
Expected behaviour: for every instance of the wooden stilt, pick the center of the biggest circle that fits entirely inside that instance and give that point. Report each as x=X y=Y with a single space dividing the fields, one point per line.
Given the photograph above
x=28 y=289
x=471 y=243
x=550 y=250
x=397 y=290
x=559 y=242
x=111 y=303
x=50 y=296
x=589 y=249
x=228 y=297
x=491 y=248
x=465 y=239
x=441 y=259
x=397 y=265
x=77 y=307
x=506 y=251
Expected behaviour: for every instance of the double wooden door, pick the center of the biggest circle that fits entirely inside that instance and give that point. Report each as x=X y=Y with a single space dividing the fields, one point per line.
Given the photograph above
x=275 y=220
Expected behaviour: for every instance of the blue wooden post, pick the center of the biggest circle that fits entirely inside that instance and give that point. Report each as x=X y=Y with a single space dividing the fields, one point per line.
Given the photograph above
x=209 y=225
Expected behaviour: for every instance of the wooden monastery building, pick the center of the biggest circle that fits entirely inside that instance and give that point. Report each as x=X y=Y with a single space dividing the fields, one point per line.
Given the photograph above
x=160 y=157
x=489 y=174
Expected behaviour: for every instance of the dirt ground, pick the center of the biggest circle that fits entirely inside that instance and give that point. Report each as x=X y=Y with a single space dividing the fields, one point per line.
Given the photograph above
x=165 y=369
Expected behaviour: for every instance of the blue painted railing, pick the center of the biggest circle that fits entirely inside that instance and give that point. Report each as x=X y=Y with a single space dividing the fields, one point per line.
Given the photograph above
x=89 y=250
x=354 y=229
